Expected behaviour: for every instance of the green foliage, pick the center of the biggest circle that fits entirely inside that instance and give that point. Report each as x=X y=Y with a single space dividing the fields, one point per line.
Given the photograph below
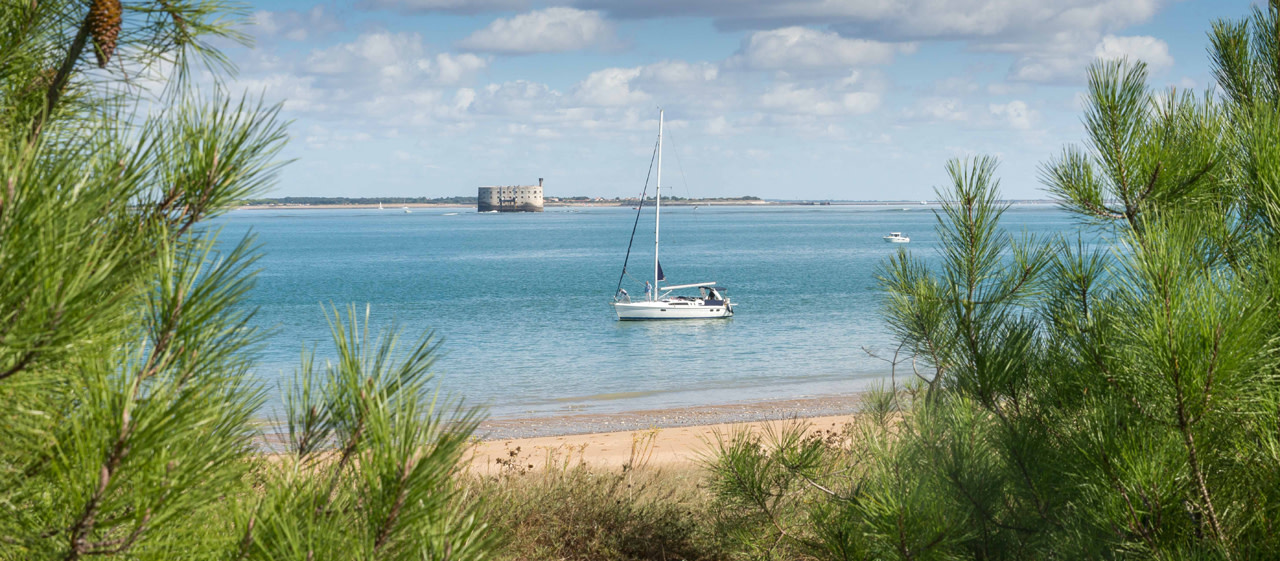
x=387 y=487
x=131 y=425
x=1111 y=403
x=558 y=507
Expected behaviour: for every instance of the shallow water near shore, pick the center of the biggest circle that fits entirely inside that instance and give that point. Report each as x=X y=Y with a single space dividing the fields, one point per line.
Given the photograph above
x=521 y=301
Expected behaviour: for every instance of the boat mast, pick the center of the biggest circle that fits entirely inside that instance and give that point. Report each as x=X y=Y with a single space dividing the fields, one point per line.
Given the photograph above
x=657 y=210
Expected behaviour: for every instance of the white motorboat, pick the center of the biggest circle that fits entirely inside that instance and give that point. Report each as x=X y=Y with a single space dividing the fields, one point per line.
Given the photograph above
x=711 y=301
x=896 y=237
x=406 y=210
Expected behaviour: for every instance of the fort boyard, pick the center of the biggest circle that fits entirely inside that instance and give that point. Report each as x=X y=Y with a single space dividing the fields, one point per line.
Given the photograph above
x=510 y=198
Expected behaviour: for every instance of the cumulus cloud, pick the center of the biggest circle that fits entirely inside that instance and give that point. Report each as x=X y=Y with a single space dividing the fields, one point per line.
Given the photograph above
x=1150 y=50
x=618 y=87
x=294 y=25
x=679 y=72
x=610 y=87
x=900 y=19
x=299 y=93
x=793 y=48
x=940 y=109
x=1050 y=40
x=1067 y=59
x=551 y=30
x=452 y=6
x=392 y=60
x=519 y=98
x=1016 y=114
x=788 y=98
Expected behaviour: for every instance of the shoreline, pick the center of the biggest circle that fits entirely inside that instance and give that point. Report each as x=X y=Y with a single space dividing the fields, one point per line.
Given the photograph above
x=678 y=432
x=663 y=438
x=577 y=424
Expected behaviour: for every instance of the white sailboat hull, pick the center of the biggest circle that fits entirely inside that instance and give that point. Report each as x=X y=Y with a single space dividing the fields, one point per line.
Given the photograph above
x=671 y=309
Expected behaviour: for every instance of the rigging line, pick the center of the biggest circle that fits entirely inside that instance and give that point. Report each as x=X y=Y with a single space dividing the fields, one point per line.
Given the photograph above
x=639 y=209
x=671 y=139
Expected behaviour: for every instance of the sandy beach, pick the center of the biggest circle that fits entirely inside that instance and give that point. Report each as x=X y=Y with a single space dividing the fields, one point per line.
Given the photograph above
x=657 y=447
x=673 y=437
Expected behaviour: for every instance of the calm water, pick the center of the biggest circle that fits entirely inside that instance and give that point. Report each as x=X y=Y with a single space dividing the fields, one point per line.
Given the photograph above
x=521 y=300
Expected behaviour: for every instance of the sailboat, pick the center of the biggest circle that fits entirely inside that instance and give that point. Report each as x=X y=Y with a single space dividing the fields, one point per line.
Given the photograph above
x=711 y=302
x=379 y=205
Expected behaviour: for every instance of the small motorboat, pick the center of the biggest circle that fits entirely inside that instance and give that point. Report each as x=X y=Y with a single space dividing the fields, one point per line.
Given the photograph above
x=407 y=211
x=896 y=237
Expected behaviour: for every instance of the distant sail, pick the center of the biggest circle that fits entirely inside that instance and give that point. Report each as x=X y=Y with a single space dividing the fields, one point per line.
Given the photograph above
x=661 y=275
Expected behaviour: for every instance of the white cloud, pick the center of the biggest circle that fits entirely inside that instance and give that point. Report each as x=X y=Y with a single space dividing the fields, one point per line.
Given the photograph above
x=518 y=98
x=1150 y=50
x=392 y=60
x=787 y=98
x=1016 y=114
x=551 y=30
x=1065 y=60
x=955 y=85
x=720 y=125
x=294 y=25
x=941 y=109
x=679 y=72
x=299 y=93
x=454 y=6
x=610 y=87
x=902 y=19
x=452 y=69
x=792 y=48
x=1051 y=40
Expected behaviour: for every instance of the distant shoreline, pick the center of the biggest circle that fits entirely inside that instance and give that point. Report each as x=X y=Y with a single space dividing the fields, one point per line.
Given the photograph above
x=611 y=203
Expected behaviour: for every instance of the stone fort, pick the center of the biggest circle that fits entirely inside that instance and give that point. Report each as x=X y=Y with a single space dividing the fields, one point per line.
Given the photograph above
x=510 y=198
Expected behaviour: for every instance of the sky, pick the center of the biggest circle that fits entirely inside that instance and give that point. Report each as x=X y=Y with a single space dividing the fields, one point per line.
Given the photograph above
x=780 y=99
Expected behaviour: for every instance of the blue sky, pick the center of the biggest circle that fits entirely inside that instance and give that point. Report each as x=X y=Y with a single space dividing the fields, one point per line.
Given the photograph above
x=790 y=99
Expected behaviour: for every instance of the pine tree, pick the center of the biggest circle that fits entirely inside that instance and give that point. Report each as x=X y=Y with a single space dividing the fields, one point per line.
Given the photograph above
x=131 y=424
x=1074 y=403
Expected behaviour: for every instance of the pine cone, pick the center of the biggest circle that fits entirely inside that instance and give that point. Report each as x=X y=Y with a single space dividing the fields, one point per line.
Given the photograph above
x=104 y=26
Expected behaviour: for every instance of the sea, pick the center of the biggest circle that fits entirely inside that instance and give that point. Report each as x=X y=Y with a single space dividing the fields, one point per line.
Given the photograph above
x=520 y=301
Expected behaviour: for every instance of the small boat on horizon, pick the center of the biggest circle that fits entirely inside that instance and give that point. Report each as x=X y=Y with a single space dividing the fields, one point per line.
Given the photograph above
x=896 y=237
x=406 y=210
x=711 y=303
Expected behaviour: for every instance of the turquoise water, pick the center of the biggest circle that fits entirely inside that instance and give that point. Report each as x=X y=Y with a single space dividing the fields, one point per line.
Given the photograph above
x=521 y=300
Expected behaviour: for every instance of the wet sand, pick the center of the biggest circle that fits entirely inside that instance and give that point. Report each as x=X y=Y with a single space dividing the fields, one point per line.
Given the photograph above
x=663 y=437
x=585 y=423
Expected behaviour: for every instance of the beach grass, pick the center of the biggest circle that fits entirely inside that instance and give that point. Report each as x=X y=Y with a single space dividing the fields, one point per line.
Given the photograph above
x=551 y=503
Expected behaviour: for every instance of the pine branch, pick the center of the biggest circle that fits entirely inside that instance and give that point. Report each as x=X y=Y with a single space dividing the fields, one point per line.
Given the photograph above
x=59 y=82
